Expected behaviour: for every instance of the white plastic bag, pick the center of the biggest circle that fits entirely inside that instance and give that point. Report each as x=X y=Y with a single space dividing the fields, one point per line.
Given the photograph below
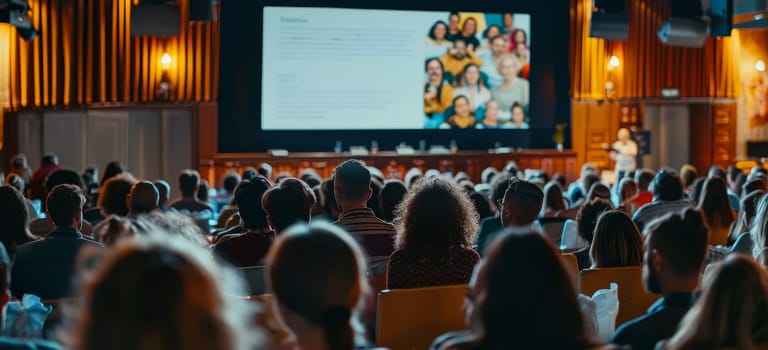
x=607 y=307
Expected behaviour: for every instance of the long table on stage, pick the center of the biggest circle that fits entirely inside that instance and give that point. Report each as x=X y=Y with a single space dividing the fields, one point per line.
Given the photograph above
x=392 y=164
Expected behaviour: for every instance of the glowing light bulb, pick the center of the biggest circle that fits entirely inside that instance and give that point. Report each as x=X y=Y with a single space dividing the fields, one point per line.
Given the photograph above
x=760 y=66
x=614 y=62
x=166 y=60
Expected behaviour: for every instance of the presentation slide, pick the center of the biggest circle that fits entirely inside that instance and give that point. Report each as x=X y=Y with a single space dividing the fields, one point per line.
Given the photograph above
x=354 y=69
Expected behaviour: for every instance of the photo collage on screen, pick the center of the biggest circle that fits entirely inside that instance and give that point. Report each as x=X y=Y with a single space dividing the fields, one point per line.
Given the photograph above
x=477 y=68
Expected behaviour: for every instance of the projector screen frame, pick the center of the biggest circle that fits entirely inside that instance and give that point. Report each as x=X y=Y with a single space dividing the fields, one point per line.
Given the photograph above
x=239 y=100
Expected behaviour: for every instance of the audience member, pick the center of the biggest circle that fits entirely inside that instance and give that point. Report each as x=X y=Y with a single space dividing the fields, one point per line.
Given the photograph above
x=203 y=194
x=46 y=267
x=143 y=199
x=741 y=228
x=675 y=249
x=759 y=232
x=481 y=203
x=616 y=242
x=667 y=192
x=112 y=169
x=41 y=226
x=351 y=183
x=328 y=200
x=160 y=293
x=490 y=225
x=288 y=202
x=577 y=190
x=20 y=167
x=643 y=177
x=518 y=210
x=48 y=164
x=189 y=183
x=227 y=193
x=18 y=183
x=113 y=199
x=164 y=193
x=511 y=305
x=754 y=185
x=627 y=192
x=586 y=220
x=716 y=210
x=317 y=276
x=688 y=174
x=13 y=215
x=435 y=223
x=248 y=244
x=730 y=312
x=391 y=195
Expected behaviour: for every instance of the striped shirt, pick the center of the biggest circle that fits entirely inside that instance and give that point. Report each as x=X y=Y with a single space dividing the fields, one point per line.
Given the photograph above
x=374 y=234
x=657 y=209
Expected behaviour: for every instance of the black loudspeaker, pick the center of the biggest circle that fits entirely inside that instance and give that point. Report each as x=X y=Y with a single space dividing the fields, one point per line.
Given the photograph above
x=686 y=32
x=685 y=27
x=155 y=19
x=720 y=17
x=200 y=10
x=609 y=20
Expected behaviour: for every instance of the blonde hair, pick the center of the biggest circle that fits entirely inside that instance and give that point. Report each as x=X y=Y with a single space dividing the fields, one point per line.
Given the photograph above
x=732 y=311
x=317 y=272
x=162 y=292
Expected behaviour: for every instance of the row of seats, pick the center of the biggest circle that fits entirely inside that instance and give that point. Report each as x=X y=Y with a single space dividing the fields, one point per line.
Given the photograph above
x=413 y=318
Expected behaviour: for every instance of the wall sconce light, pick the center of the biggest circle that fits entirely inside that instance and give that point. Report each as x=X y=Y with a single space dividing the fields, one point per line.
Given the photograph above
x=166 y=60
x=760 y=66
x=613 y=62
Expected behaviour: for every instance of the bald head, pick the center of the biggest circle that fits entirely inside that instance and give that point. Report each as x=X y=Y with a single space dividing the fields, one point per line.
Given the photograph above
x=143 y=199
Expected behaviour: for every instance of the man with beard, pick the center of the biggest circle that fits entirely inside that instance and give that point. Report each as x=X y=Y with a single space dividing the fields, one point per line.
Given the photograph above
x=499 y=48
x=458 y=57
x=438 y=94
x=675 y=248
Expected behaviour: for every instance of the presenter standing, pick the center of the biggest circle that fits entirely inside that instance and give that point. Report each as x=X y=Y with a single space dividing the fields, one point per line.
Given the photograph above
x=624 y=152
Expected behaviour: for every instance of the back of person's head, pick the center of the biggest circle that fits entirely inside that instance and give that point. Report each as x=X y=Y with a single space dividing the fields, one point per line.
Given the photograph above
x=499 y=185
x=112 y=169
x=688 y=173
x=248 y=196
x=695 y=190
x=202 y=191
x=328 y=199
x=759 y=231
x=714 y=203
x=63 y=176
x=756 y=184
x=681 y=240
x=589 y=180
x=325 y=260
x=49 y=159
x=560 y=180
x=616 y=241
x=586 y=218
x=230 y=181
x=391 y=195
x=144 y=198
x=488 y=174
x=513 y=303
x=265 y=170
x=553 y=197
x=411 y=176
x=19 y=161
x=288 y=202
x=716 y=171
x=64 y=203
x=351 y=181
x=435 y=216
x=731 y=312
x=643 y=177
x=249 y=173
x=748 y=206
x=112 y=199
x=666 y=186
x=732 y=174
x=598 y=190
x=521 y=204
x=163 y=190
x=13 y=216
x=627 y=188
x=161 y=293
x=587 y=169
x=189 y=181
x=481 y=204
x=16 y=181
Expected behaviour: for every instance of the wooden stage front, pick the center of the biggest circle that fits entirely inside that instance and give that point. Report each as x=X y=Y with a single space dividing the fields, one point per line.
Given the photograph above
x=392 y=164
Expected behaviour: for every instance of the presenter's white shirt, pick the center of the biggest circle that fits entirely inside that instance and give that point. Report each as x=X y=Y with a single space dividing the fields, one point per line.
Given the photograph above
x=625 y=156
